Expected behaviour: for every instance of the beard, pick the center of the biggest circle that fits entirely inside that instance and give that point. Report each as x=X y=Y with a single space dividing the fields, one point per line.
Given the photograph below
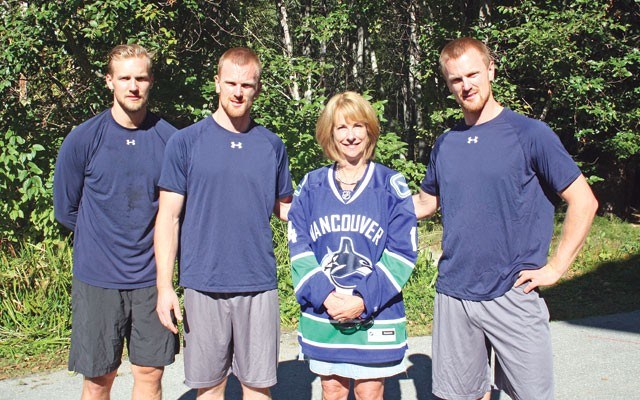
x=474 y=106
x=236 y=112
x=132 y=106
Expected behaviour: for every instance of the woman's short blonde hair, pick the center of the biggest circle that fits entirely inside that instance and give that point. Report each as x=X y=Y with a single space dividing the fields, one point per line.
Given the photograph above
x=355 y=108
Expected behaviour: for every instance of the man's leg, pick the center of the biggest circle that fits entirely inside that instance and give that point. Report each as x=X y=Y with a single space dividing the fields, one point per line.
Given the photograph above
x=208 y=344
x=251 y=393
x=98 y=329
x=147 y=382
x=212 y=393
x=517 y=325
x=98 y=388
x=460 y=365
x=256 y=341
x=151 y=346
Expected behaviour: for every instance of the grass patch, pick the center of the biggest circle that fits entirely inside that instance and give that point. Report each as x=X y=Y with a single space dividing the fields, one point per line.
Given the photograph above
x=35 y=311
x=603 y=279
x=35 y=289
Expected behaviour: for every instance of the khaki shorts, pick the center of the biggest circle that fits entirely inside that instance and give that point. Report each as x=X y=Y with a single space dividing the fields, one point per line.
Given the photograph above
x=228 y=333
x=515 y=325
x=103 y=319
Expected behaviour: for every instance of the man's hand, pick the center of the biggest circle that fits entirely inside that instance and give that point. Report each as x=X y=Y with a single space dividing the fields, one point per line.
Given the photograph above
x=545 y=276
x=167 y=302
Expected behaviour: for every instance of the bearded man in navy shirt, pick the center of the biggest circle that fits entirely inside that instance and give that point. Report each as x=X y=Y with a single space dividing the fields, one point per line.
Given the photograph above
x=222 y=178
x=105 y=191
x=496 y=178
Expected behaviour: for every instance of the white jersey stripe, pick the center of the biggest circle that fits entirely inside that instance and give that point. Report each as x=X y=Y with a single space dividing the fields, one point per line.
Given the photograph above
x=400 y=258
x=377 y=321
x=389 y=276
x=352 y=346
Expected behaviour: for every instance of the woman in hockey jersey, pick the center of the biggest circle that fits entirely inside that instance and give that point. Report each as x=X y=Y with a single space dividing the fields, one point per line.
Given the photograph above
x=352 y=239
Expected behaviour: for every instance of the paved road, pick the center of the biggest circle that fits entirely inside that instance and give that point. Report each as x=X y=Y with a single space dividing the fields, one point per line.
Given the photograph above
x=594 y=358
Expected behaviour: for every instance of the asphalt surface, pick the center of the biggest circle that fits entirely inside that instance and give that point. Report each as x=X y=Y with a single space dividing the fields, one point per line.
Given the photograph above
x=594 y=358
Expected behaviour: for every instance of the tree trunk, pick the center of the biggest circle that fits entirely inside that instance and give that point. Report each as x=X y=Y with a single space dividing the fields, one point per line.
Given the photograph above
x=288 y=49
x=358 y=65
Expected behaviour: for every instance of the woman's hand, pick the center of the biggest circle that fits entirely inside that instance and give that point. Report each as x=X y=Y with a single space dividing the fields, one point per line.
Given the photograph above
x=344 y=307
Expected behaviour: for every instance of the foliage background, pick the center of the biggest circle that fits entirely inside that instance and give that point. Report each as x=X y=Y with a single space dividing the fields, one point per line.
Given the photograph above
x=574 y=64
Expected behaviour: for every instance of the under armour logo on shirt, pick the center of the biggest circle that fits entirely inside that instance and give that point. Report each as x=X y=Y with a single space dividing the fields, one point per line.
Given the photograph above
x=131 y=142
x=236 y=145
x=472 y=139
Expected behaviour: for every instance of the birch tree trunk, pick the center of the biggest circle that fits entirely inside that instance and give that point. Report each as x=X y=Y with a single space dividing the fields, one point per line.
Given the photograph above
x=288 y=48
x=358 y=65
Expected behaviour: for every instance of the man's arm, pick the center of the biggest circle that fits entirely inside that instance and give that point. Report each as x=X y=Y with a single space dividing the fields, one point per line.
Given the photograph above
x=68 y=182
x=425 y=204
x=165 y=242
x=281 y=208
x=581 y=209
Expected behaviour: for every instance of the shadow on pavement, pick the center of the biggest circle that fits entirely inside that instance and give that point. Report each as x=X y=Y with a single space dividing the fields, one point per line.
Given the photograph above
x=611 y=288
x=295 y=381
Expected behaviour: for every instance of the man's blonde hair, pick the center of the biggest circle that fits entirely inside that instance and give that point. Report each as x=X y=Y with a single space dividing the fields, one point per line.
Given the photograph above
x=241 y=56
x=124 y=51
x=455 y=48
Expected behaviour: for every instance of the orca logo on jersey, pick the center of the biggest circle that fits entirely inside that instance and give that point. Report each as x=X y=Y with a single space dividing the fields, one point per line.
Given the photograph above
x=131 y=142
x=236 y=145
x=345 y=266
x=400 y=186
x=472 y=139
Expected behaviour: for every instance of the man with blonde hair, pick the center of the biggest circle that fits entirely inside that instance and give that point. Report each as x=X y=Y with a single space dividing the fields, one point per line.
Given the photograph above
x=105 y=191
x=222 y=178
x=496 y=178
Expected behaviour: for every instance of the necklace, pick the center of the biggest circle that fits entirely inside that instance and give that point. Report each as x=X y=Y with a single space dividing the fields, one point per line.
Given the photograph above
x=346 y=182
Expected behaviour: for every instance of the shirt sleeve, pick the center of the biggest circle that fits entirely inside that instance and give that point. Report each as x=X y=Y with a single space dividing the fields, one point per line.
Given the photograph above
x=174 y=166
x=310 y=284
x=550 y=160
x=430 y=182
x=398 y=259
x=68 y=179
x=285 y=188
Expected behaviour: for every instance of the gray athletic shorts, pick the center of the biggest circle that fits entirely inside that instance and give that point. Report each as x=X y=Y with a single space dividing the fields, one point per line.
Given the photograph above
x=515 y=325
x=103 y=319
x=228 y=333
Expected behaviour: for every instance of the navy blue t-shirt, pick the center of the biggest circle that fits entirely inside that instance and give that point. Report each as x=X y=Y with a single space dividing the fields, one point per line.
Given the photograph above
x=105 y=191
x=497 y=183
x=230 y=182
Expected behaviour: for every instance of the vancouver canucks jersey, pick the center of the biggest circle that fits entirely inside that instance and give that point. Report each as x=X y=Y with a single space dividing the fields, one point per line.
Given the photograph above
x=361 y=242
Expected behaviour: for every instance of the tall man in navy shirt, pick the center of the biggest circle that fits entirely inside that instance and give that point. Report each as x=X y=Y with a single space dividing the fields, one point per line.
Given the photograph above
x=495 y=178
x=105 y=191
x=222 y=178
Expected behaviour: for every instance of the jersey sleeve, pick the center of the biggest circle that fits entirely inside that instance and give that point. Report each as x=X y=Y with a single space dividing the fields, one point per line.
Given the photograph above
x=68 y=179
x=398 y=259
x=174 y=165
x=311 y=285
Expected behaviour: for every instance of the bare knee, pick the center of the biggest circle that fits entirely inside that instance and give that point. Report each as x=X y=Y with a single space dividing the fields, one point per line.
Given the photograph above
x=369 y=389
x=334 y=387
x=212 y=393
x=147 y=374
x=253 y=393
x=147 y=382
x=99 y=387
